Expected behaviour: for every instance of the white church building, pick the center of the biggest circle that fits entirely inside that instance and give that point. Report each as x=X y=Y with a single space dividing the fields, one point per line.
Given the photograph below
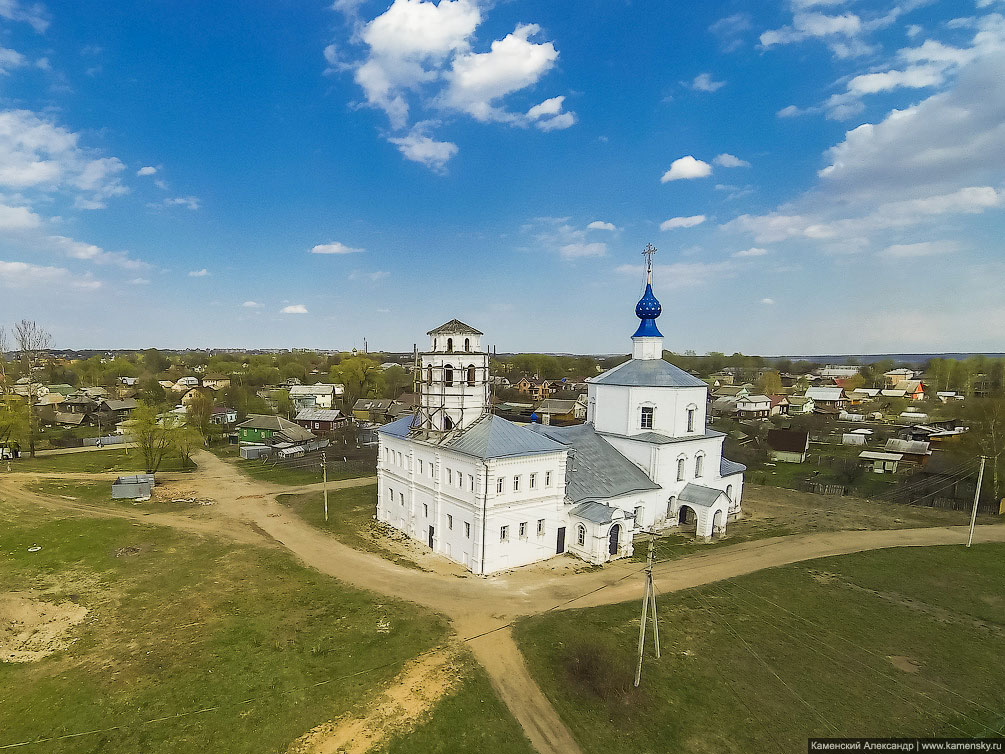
x=491 y=494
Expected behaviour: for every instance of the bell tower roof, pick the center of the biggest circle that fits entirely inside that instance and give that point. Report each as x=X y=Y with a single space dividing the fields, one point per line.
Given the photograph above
x=454 y=327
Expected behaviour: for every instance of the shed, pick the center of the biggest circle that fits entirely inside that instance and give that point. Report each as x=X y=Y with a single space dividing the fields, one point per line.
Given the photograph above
x=138 y=487
x=253 y=452
x=788 y=445
x=853 y=438
x=879 y=462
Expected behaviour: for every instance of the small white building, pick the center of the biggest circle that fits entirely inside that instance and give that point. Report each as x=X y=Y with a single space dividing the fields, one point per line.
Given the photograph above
x=321 y=395
x=491 y=495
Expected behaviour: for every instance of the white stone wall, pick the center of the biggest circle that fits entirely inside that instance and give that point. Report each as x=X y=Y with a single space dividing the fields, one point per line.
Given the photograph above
x=618 y=409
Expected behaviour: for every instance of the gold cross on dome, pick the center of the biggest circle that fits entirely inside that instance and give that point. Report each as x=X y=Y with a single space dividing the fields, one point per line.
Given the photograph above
x=648 y=254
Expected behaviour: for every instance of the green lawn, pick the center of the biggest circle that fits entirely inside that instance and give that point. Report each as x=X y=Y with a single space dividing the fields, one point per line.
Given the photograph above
x=190 y=644
x=297 y=477
x=471 y=719
x=899 y=642
x=673 y=545
x=93 y=461
x=99 y=493
x=350 y=519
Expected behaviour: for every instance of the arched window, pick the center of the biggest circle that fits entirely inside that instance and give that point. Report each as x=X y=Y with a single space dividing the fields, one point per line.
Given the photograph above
x=448 y=423
x=690 y=418
x=448 y=375
x=434 y=344
x=429 y=375
x=680 y=469
x=698 y=463
x=467 y=344
x=471 y=375
x=581 y=535
x=729 y=492
x=450 y=345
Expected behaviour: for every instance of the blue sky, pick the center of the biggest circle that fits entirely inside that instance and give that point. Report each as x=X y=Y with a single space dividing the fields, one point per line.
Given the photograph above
x=820 y=176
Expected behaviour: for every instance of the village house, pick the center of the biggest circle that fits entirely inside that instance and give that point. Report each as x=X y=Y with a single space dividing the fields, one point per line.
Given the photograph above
x=913 y=389
x=788 y=445
x=321 y=421
x=912 y=451
x=558 y=411
x=779 y=405
x=891 y=378
x=258 y=428
x=536 y=388
x=753 y=407
x=216 y=381
x=880 y=462
x=223 y=416
x=827 y=399
x=321 y=395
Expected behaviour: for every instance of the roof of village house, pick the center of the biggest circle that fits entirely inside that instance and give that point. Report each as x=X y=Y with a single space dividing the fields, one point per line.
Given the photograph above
x=754 y=399
x=318 y=389
x=874 y=455
x=62 y=418
x=278 y=424
x=372 y=404
x=453 y=327
x=319 y=415
x=594 y=512
x=731 y=390
x=698 y=494
x=777 y=399
x=799 y=400
x=647 y=373
x=788 y=440
x=825 y=393
x=557 y=406
x=124 y=405
x=595 y=468
x=910 y=447
x=909 y=386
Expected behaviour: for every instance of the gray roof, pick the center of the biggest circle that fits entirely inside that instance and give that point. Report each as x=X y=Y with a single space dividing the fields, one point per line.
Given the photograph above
x=595 y=512
x=488 y=436
x=655 y=438
x=698 y=494
x=597 y=470
x=125 y=405
x=319 y=414
x=911 y=447
x=825 y=393
x=557 y=406
x=647 y=373
x=727 y=467
x=454 y=326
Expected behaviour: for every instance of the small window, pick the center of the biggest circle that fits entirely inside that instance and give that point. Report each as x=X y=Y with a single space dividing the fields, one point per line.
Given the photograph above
x=448 y=375
x=547 y=479
x=680 y=469
x=499 y=485
x=450 y=521
x=540 y=527
x=460 y=480
x=432 y=470
x=690 y=420
x=697 y=466
x=532 y=481
x=638 y=515
x=390 y=495
x=471 y=482
x=401 y=498
x=523 y=529
x=516 y=483
x=425 y=510
x=450 y=477
x=420 y=466
x=503 y=533
x=646 y=420
x=467 y=344
x=429 y=374
x=581 y=535
x=471 y=376
x=467 y=530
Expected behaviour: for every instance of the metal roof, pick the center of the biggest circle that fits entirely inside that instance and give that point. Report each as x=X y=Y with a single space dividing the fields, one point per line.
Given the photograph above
x=911 y=447
x=319 y=414
x=825 y=393
x=487 y=437
x=595 y=468
x=697 y=494
x=655 y=438
x=595 y=512
x=647 y=373
x=872 y=455
x=727 y=467
x=453 y=327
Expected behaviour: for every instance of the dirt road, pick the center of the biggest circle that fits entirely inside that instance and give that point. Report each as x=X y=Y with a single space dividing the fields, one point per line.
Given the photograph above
x=481 y=609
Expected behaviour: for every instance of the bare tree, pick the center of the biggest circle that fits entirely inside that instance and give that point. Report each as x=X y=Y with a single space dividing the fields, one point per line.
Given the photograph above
x=4 y=387
x=32 y=343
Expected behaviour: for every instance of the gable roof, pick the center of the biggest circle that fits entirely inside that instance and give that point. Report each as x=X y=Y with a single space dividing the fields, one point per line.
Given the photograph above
x=698 y=494
x=728 y=468
x=788 y=440
x=489 y=436
x=825 y=393
x=557 y=406
x=594 y=512
x=454 y=326
x=319 y=414
x=647 y=373
x=595 y=469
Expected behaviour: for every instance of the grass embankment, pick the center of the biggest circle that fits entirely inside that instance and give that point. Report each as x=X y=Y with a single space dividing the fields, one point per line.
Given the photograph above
x=899 y=642
x=673 y=545
x=350 y=519
x=95 y=461
x=229 y=648
x=291 y=476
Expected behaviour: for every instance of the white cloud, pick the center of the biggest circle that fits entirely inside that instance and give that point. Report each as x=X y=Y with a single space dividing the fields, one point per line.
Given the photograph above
x=704 y=82
x=251 y=305
x=726 y=160
x=753 y=251
x=335 y=247
x=139 y=281
x=807 y=25
x=18 y=218
x=685 y=168
x=730 y=30
x=294 y=309
x=790 y=111
x=373 y=277
x=601 y=225
x=582 y=249
x=11 y=59
x=147 y=170
x=24 y=275
x=682 y=222
x=188 y=202
x=767 y=301
x=199 y=273
x=89 y=252
x=34 y=15
x=548 y=115
x=555 y=234
x=683 y=274
x=922 y=249
x=418 y=147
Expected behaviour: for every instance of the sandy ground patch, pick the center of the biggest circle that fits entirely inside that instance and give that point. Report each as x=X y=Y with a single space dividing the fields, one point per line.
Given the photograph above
x=412 y=693
x=905 y=663
x=31 y=629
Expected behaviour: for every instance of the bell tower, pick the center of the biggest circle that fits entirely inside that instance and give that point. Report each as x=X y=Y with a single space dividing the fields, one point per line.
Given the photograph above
x=451 y=379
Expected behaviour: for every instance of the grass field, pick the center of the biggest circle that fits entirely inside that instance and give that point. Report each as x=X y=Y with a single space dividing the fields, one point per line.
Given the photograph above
x=673 y=545
x=350 y=519
x=899 y=642
x=99 y=493
x=229 y=648
x=93 y=461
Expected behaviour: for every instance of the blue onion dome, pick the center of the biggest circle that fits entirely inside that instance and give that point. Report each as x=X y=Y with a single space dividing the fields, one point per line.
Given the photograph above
x=648 y=309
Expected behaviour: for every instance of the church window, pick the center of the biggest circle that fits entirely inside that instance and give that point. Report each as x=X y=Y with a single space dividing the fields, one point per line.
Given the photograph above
x=429 y=375
x=434 y=344
x=638 y=515
x=547 y=479
x=471 y=482
x=503 y=533
x=646 y=420
x=581 y=535
x=460 y=480
x=532 y=481
x=680 y=469
x=448 y=375
x=729 y=492
x=401 y=499
x=698 y=461
x=425 y=510
x=420 y=465
x=471 y=375
x=690 y=420
x=499 y=485
x=448 y=423
x=516 y=483
x=450 y=521
x=467 y=344
x=450 y=345
x=467 y=530
x=540 y=527
x=390 y=495
x=450 y=477
x=523 y=529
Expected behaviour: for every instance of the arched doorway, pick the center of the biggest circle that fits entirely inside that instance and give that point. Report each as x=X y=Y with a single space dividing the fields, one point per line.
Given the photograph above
x=717 y=524
x=670 y=504
x=687 y=519
x=729 y=492
x=614 y=539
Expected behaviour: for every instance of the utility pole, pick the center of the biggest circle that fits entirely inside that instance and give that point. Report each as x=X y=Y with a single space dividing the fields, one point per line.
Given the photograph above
x=977 y=494
x=324 y=476
x=648 y=602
